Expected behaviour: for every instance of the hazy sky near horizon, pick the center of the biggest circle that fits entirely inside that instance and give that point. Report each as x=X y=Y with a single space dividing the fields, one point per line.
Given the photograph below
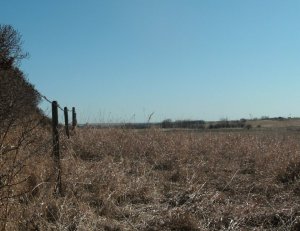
x=121 y=60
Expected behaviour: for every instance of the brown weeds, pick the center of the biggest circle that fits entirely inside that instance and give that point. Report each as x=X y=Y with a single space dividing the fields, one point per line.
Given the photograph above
x=118 y=179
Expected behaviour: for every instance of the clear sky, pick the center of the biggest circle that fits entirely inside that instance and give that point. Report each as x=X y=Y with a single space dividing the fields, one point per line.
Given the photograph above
x=121 y=60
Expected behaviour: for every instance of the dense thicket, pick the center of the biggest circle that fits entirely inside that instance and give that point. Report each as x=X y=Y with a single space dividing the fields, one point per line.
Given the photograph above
x=18 y=120
x=17 y=96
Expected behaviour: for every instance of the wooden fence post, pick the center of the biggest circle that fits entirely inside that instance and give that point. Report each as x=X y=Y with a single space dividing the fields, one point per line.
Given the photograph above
x=56 y=157
x=74 y=119
x=66 y=121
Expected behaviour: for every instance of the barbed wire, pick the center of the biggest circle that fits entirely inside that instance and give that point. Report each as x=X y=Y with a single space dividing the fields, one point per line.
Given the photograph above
x=55 y=114
x=50 y=101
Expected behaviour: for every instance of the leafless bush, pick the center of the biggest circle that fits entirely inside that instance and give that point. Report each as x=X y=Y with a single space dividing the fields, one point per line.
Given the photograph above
x=19 y=120
x=10 y=47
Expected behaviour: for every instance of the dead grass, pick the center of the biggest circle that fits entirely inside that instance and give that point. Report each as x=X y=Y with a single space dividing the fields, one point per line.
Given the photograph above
x=293 y=123
x=116 y=179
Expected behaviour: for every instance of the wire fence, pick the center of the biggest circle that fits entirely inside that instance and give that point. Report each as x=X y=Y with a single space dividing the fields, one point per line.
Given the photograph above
x=24 y=137
x=50 y=101
x=55 y=136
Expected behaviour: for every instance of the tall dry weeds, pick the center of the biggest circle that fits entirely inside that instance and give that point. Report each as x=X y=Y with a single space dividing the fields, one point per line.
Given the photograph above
x=118 y=179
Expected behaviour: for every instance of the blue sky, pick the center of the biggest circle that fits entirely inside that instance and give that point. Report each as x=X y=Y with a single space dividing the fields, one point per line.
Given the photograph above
x=121 y=60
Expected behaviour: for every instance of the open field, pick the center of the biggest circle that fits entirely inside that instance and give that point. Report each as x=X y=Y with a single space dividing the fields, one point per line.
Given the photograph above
x=272 y=123
x=261 y=124
x=120 y=179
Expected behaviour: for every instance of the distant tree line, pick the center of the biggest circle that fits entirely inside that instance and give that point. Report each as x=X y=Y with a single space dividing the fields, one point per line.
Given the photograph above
x=135 y=125
x=194 y=124
x=229 y=124
x=273 y=118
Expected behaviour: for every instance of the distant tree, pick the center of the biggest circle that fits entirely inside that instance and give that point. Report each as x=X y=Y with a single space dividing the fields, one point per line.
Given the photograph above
x=248 y=126
x=167 y=123
x=264 y=118
x=10 y=47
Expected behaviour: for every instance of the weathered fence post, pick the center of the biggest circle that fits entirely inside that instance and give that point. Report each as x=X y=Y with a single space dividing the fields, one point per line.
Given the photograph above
x=74 y=119
x=56 y=157
x=66 y=121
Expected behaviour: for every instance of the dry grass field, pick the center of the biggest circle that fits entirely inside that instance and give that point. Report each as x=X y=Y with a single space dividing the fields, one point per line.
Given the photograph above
x=120 y=179
x=293 y=123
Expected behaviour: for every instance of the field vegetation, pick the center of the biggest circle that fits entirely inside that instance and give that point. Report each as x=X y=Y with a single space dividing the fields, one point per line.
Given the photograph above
x=147 y=179
x=121 y=179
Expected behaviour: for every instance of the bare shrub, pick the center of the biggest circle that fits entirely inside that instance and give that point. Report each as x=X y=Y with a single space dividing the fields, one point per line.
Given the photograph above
x=10 y=47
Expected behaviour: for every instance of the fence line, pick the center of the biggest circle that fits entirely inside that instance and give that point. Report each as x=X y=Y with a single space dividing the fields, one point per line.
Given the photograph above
x=50 y=101
x=55 y=135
